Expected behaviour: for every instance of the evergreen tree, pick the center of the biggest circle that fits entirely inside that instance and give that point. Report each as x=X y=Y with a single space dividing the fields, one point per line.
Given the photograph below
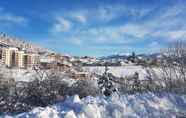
x=105 y=83
x=133 y=55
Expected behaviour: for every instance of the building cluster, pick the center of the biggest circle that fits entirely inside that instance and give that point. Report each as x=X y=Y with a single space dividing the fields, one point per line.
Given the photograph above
x=15 y=57
x=23 y=59
x=55 y=61
x=16 y=53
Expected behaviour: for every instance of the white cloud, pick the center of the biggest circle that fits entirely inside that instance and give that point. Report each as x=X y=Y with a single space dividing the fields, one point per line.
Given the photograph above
x=154 y=44
x=11 y=18
x=154 y=47
x=177 y=34
x=169 y=26
x=76 y=41
x=135 y=30
x=103 y=13
x=81 y=18
x=111 y=12
x=103 y=35
x=173 y=11
x=96 y=31
x=61 y=25
x=171 y=35
x=97 y=15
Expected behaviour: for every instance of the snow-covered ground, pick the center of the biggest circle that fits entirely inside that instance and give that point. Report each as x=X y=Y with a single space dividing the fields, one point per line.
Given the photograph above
x=144 y=105
x=119 y=71
x=29 y=75
x=147 y=105
x=123 y=71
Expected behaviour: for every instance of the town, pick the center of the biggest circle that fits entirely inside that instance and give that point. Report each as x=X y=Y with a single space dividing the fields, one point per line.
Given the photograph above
x=92 y=59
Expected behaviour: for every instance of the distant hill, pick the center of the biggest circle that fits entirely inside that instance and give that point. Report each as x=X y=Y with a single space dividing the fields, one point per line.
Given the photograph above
x=6 y=40
x=144 y=56
x=114 y=57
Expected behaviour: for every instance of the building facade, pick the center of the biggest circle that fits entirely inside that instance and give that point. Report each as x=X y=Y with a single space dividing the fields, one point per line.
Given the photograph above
x=13 y=57
x=9 y=56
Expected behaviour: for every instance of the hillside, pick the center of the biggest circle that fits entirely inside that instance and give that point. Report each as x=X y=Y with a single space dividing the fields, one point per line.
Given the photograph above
x=6 y=40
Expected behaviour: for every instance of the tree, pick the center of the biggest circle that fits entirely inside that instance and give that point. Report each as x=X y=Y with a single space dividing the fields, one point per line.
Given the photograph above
x=132 y=57
x=174 y=64
x=105 y=83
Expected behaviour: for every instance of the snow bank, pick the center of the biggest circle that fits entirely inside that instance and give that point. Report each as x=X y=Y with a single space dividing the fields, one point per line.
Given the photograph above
x=139 y=105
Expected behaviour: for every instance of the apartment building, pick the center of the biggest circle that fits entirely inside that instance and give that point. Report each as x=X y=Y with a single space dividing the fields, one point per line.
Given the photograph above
x=9 y=56
x=19 y=59
x=30 y=60
x=13 y=57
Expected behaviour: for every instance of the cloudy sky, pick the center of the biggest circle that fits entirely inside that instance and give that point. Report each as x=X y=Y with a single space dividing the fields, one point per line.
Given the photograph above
x=95 y=27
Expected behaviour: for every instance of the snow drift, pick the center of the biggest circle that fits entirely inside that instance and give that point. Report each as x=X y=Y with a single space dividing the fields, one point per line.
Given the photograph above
x=138 y=105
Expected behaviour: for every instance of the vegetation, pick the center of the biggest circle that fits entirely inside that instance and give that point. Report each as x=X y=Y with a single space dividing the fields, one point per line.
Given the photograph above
x=18 y=97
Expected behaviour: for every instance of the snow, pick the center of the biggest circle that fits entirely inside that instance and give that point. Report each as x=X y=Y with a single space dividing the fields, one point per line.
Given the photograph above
x=22 y=75
x=18 y=74
x=137 y=105
x=148 y=105
x=119 y=71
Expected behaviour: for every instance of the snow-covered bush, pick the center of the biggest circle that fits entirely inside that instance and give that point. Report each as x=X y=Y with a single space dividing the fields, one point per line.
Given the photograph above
x=18 y=97
x=151 y=82
x=84 y=88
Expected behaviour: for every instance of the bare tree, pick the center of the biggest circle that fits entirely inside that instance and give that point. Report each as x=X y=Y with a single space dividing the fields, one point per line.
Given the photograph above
x=174 y=64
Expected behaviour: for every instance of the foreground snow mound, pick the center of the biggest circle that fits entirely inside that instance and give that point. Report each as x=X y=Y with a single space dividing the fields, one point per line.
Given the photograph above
x=146 y=105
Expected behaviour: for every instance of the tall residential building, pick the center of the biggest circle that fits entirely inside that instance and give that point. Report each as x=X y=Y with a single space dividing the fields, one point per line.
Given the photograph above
x=9 y=56
x=12 y=57
x=30 y=60
x=20 y=59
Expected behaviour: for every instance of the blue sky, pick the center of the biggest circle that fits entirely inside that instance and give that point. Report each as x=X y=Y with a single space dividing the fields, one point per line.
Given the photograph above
x=95 y=27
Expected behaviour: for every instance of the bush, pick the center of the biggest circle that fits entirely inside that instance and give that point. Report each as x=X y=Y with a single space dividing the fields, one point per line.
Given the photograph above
x=84 y=88
x=41 y=93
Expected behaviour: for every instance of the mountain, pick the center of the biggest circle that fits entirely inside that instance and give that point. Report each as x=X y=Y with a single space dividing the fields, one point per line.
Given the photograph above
x=6 y=40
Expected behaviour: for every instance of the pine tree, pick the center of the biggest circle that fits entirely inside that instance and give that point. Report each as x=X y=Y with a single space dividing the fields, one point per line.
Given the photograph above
x=105 y=83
